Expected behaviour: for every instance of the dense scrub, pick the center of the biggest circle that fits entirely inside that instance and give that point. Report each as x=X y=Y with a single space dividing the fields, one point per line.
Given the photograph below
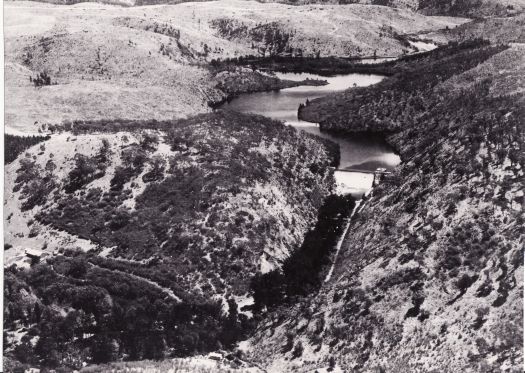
x=15 y=145
x=325 y=66
x=183 y=214
x=468 y=8
x=192 y=185
x=267 y=38
x=328 y=66
x=434 y=260
x=72 y=311
x=233 y=81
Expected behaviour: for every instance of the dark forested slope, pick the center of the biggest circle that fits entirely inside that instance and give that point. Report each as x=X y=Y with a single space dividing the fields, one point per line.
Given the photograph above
x=388 y=105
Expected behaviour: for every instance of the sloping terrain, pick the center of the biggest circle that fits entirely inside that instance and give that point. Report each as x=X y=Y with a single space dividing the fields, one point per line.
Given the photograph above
x=147 y=226
x=497 y=30
x=430 y=277
x=199 y=364
x=472 y=8
x=382 y=112
x=165 y=234
x=455 y=8
x=107 y=62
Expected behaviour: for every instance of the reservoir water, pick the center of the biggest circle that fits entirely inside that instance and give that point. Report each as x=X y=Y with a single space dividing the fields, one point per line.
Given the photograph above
x=360 y=154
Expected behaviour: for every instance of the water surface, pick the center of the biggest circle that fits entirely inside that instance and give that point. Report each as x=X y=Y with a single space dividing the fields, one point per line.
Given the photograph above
x=358 y=152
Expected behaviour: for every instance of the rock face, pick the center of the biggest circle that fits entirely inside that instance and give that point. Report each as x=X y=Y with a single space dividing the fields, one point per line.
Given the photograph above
x=430 y=277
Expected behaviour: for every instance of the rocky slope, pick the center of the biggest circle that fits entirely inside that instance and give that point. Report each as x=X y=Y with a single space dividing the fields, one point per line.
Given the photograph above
x=430 y=277
x=106 y=62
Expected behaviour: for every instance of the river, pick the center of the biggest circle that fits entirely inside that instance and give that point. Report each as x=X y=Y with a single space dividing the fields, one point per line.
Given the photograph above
x=360 y=154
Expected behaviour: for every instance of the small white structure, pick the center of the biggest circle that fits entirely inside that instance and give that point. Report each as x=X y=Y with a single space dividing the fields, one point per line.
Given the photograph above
x=34 y=254
x=215 y=356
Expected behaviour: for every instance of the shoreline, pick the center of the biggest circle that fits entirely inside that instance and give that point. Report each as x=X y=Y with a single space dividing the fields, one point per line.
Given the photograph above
x=325 y=66
x=279 y=84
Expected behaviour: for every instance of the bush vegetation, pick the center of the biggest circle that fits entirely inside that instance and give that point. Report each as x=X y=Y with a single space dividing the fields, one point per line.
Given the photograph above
x=440 y=232
x=102 y=315
x=186 y=242
x=16 y=145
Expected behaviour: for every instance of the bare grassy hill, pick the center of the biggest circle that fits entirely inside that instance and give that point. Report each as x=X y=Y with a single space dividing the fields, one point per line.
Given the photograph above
x=106 y=61
x=455 y=8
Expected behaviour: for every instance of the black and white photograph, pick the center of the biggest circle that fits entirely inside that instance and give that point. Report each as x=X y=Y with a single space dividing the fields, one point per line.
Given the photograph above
x=241 y=186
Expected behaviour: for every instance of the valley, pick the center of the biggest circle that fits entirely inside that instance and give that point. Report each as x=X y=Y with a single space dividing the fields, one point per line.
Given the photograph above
x=108 y=62
x=433 y=262
x=241 y=186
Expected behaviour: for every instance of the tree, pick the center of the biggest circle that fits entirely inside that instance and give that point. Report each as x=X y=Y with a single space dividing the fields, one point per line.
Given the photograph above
x=104 y=349
x=81 y=174
x=78 y=268
x=232 y=327
x=37 y=313
x=268 y=289
x=331 y=364
x=298 y=350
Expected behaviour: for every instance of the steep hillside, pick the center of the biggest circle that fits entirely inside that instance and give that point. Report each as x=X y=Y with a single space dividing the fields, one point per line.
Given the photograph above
x=151 y=227
x=454 y=8
x=472 y=8
x=388 y=105
x=497 y=30
x=430 y=277
x=106 y=62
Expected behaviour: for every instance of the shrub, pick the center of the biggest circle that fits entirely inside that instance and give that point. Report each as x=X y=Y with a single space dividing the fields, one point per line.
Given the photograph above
x=298 y=350
x=16 y=145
